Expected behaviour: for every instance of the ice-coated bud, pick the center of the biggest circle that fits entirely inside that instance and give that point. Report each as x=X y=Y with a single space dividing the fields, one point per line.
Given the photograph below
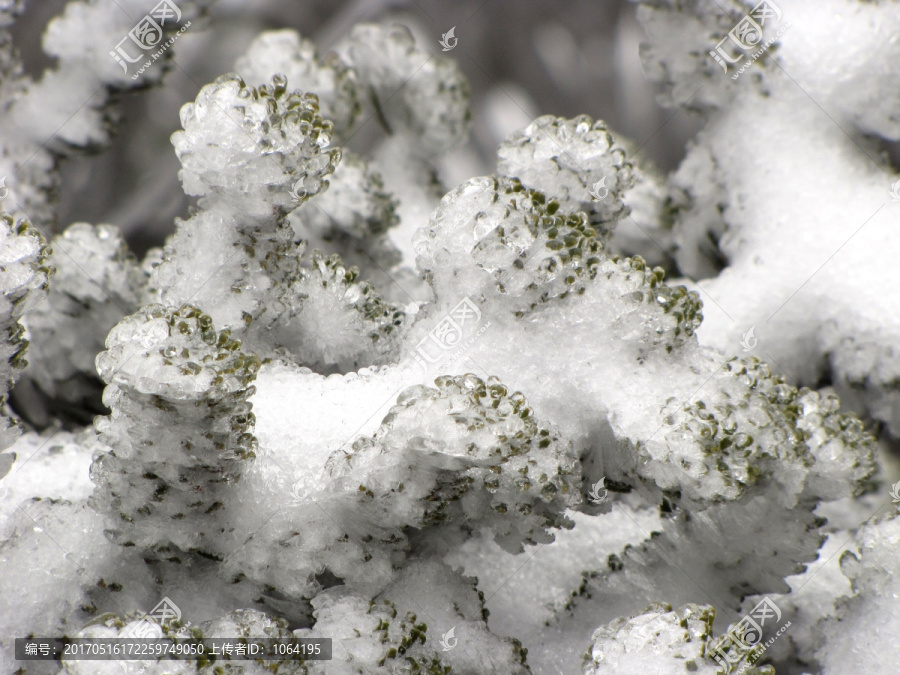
x=752 y=428
x=237 y=626
x=258 y=149
x=492 y=235
x=413 y=626
x=355 y=205
x=179 y=430
x=295 y=57
x=749 y=452
x=264 y=287
x=690 y=55
x=574 y=161
x=470 y=451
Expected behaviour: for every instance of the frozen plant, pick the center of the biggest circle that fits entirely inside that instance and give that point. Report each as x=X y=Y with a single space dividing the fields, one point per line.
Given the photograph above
x=789 y=187
x=68 y=109
x=451 y=430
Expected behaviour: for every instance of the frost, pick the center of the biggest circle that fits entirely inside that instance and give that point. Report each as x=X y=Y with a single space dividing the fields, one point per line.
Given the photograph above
x=391 y=633
x=269 y=146
x=55 y=541
x=303 y=435
x=24 y=277
x=238 y=624
x=53 y=464
x=676 y=53
x=851 y=642
x=773 y=187
x=466 y=454
x=515 y=477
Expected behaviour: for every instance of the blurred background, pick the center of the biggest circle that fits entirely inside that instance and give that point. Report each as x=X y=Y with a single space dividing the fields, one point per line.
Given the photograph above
x=523 y=58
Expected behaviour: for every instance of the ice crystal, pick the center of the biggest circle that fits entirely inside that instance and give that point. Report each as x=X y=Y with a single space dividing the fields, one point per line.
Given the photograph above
x=303 y=436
